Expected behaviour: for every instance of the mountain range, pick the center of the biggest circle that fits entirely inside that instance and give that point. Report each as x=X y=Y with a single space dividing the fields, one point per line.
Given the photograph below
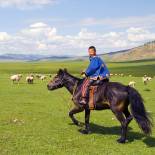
x=145 y=51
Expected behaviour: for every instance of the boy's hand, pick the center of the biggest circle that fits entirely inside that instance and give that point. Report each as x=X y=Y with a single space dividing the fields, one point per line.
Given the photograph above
x=83 y=74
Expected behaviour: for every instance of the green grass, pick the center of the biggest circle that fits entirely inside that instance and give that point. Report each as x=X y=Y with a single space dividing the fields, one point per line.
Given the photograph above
x=34 y=121
x=136 y=68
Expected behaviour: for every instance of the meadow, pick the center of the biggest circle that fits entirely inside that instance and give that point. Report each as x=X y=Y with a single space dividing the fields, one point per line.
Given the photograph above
x=34 y=121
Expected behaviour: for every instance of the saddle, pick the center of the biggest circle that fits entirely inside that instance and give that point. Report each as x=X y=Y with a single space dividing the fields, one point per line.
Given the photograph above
x=92 y=93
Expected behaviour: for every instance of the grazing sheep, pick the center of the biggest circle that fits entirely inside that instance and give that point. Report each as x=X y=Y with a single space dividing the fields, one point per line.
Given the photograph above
x=43 y=77
x=16 y=77
x=146 y=79
x=149 y=78
x=29 y=79
x=132 y=84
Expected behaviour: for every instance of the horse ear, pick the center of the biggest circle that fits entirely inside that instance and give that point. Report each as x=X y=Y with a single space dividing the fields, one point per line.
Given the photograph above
x=65 y=69
x=60 y=71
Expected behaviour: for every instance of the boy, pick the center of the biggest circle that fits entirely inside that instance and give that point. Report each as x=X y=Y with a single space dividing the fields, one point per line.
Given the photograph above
x=97 y=70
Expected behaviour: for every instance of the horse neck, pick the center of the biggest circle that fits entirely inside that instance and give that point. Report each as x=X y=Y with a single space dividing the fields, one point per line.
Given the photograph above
x=70 y=83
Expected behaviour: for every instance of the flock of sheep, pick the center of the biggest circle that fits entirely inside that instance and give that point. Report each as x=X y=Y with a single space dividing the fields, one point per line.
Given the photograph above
x=145 y=79
x=29 y=79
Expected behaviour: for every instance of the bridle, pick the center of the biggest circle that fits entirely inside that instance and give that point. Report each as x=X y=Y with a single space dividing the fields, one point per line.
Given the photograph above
x=62 y=83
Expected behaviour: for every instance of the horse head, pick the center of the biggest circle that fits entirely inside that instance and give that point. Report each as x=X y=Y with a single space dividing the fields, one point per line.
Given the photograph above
x=58 y=80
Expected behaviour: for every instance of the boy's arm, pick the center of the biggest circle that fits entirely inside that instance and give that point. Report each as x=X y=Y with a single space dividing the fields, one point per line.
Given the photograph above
x=93 y=66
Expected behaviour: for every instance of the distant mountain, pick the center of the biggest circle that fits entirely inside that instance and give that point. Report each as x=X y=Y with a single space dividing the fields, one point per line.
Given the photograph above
x=146 y=51
x=24 y=57
x=19 y=57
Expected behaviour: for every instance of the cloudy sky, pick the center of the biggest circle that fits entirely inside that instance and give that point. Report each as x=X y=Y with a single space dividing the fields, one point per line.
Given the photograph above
x=68 y=27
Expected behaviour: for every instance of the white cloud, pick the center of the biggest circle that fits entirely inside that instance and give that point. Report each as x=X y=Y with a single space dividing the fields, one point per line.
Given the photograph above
x=4 y=36
x=39 y=31
x=139 y=34
x=25 y=4
x=137 y=21
x=38 y=25
x=41 y=46
x=41 y=38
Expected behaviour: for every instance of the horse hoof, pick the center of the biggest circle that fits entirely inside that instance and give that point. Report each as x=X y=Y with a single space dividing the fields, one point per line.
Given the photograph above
x=85 y=131
x=121 y=140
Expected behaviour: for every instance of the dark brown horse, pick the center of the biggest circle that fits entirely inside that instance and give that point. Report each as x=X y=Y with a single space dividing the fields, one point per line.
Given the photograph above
x=110 y=95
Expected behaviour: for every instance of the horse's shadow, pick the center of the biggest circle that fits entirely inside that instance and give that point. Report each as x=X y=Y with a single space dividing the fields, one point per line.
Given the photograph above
x=131 y=135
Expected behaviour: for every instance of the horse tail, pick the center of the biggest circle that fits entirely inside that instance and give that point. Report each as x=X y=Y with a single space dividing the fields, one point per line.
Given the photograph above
x=139 y=112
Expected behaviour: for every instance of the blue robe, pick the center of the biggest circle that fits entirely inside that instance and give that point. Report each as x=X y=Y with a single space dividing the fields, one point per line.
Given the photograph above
x=97 y=68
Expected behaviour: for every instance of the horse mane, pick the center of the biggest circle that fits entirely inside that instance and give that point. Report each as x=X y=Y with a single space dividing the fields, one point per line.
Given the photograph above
x=72 y=76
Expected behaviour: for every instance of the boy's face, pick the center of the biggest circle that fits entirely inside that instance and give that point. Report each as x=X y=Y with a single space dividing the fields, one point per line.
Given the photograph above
x=91 y=52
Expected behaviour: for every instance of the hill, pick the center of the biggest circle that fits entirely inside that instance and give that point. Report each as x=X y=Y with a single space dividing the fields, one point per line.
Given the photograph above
x=144 y=52
x=31 y=57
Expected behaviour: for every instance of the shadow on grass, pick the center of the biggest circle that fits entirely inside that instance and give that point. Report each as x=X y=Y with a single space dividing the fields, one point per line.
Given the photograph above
x=147 y=89
x=131 y=135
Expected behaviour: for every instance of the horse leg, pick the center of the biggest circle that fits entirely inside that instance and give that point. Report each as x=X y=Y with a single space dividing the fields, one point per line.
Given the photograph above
x=87 y=116
x=128 y=116
x=74 y=111
x=119 y=115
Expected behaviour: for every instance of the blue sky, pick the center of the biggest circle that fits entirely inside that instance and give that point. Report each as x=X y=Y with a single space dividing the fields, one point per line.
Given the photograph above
x=68 y=27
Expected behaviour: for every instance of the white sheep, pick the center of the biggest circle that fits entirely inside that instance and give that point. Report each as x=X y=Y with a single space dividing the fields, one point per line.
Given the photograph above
x=30 y=79
x=43 y=77
x=16 y=77
x=146 y=79
x=132 y=84
x=149 y=78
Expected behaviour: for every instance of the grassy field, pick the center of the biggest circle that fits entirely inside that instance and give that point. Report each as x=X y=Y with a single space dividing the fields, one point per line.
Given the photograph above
x=34 y=121
x=136 y=68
